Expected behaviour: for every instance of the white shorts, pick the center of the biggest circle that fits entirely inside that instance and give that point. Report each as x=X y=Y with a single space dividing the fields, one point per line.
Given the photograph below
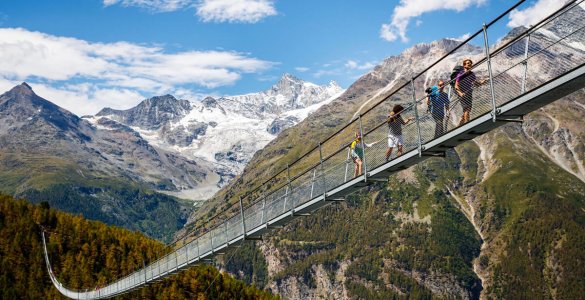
x=395 y=140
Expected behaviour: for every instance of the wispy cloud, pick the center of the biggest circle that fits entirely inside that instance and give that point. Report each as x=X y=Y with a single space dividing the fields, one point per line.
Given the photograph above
x=354 y=65
x=81 y=99
x=350 y=68
x=534 y=13
x=122 y=68
x=233 y=11
x=302 y=69
x=153 y=5
x=244 y=11
x=462 y=37
x=408 y=9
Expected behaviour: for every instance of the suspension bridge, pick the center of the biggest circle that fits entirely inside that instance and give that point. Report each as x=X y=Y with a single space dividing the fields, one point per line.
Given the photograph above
x=521 y=73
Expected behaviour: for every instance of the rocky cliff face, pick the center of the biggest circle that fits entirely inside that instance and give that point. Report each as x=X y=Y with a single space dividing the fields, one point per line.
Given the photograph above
x=150 y=113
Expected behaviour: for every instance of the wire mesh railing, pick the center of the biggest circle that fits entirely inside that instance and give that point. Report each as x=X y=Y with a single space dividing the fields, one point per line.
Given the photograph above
x=515 y=65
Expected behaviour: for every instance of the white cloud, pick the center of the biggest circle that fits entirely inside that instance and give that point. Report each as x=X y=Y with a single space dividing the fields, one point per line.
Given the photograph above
x=321 y=73
x=408 y=9
x=302 y=69
x=244 y=11
x=190 y=94
x=535 y=13
x=347 y=68
x=113 y=70
x=354 y=65
x=81 y=99
x=154 y=5
x=462 y=37
x=237 y=11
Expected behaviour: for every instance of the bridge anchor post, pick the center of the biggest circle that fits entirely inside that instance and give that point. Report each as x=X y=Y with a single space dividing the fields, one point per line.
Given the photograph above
x=414 y=103
x=489 y=65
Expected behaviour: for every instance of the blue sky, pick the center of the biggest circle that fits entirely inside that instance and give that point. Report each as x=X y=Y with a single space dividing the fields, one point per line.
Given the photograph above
x=88 y=54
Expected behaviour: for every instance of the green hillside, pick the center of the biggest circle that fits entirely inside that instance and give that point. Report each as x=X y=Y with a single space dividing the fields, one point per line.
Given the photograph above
x=86 y=254
x=418 y=236
x=70 y=187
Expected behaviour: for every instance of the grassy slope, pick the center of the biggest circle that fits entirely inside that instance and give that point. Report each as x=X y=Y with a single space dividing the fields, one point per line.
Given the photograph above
x=536 y=214
x=69 y=187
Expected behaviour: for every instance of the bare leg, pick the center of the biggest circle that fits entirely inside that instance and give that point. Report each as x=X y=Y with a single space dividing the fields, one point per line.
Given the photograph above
x=465 y=117
x=399 y=151
x=388 y=153
x=358 y=167
x=462 y=120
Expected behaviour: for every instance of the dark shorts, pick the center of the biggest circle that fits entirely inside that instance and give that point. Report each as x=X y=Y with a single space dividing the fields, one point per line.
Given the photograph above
x=467 y=101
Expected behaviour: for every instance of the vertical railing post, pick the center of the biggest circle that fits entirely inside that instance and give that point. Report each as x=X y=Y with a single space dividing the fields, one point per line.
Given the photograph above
x=322 y=172
x=448 y=112
x=198 y=251
x=144 y=268
x=288 y=188
x=292 y=200
x=285 y=199
x=313 y=181
x=243 y=220
x=187 y=245
x=415 y=105
x=263 y=210
x=363 y=144
x=347 y=164
x=211 y=234
x=489 y=65
x=176 y=261
x=525 y=63
x=227 y=240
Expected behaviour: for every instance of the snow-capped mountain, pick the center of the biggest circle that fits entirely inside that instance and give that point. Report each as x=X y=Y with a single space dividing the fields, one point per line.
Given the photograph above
x=225 y=131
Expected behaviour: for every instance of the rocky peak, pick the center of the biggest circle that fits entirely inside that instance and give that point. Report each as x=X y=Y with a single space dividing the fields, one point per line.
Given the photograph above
x=21 y=108
x=23 y=89
x=209 y=102
x=287 y=83
x=23 y=98
x=150 y=113
x=166 y=103
x=334 y=84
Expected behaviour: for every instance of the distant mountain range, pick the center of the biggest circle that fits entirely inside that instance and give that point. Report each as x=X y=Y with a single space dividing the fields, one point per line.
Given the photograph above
x=123 y=167
x=223 y=132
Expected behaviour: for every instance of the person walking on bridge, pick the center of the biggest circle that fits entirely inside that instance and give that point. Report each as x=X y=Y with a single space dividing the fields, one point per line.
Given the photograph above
x=438 y=102
x=357 y=154
x=464 y=84
x=395 y=122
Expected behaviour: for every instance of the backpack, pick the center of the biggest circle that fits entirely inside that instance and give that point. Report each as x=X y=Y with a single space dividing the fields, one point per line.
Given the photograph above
x=456 y=71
